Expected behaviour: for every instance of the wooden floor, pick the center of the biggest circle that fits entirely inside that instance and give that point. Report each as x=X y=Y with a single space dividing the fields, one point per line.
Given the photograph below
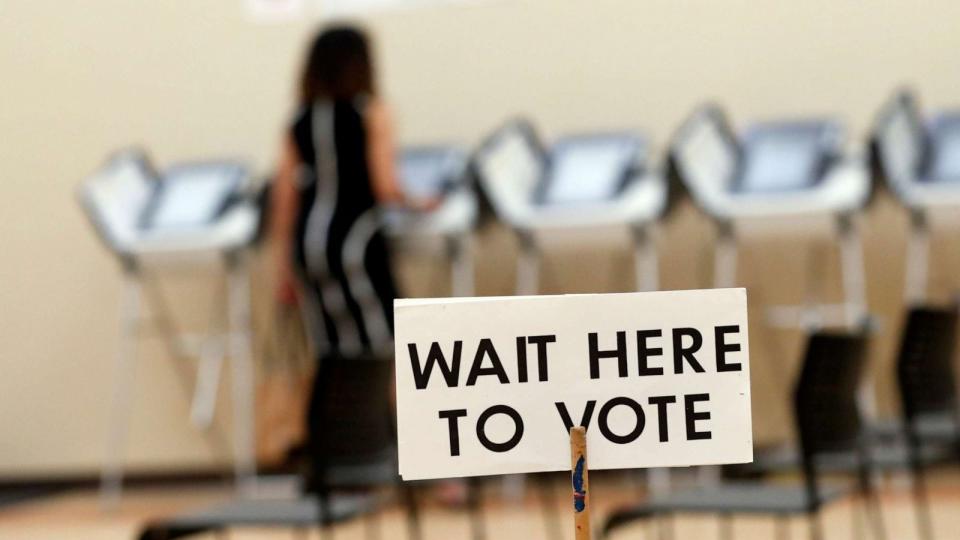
x=77 y=516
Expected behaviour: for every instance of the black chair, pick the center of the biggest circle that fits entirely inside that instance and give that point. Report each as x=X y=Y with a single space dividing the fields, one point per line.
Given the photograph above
x=352 y=440
x=926 y=379
x=827 y=420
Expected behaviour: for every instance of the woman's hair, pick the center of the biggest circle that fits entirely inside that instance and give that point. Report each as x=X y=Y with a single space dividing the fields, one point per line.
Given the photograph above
x=338 y=66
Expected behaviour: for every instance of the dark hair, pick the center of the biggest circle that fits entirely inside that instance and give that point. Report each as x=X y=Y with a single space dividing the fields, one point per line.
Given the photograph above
x=338 y=66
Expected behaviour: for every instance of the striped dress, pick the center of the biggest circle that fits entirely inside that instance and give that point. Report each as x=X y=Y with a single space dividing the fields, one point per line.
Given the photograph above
x=341 y=256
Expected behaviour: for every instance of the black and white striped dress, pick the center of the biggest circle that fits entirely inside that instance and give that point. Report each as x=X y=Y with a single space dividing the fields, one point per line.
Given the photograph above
x=342 y=257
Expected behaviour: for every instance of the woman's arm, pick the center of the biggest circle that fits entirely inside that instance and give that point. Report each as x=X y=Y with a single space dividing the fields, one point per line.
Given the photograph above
x=284 y=204
x=381 y=155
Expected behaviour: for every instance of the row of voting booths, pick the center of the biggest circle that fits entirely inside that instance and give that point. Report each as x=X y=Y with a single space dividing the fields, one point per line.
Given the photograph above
x=206 y=214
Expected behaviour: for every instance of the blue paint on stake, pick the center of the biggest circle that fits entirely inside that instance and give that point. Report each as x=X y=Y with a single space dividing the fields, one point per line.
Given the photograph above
x=579 y=494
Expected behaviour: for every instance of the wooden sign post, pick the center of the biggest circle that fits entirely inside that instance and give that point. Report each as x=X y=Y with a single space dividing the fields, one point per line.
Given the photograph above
x=580 y=480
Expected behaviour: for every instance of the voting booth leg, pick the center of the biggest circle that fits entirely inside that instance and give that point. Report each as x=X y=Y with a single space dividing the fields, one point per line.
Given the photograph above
x=854 y=280
x=212 y=352
x=111 y=475
x=528 y=265
x=855 y=302
x=241 y=362
x=918 y=255
x=580 y=481
x=645 y=261
x=461 y=265
x=725 y=257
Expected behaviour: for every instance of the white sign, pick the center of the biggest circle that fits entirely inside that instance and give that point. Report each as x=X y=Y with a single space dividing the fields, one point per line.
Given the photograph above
x=272 y=11
x=492 y=385
x=342 y=8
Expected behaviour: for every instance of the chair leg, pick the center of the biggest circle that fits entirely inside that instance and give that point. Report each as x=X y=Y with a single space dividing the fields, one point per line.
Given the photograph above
x=921 y=503
x=323 y=516
x=111 y=476
x=241 y=361
x=869 y=495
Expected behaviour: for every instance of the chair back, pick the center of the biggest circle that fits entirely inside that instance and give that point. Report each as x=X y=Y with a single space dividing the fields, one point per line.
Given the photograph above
x=351 y=435
x=117 y=197
x=509 y=166
x=926 y=374
x=704 y=155
x=825 y=396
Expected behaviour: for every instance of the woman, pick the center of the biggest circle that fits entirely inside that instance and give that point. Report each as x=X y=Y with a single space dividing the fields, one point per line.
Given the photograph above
x=337 y=167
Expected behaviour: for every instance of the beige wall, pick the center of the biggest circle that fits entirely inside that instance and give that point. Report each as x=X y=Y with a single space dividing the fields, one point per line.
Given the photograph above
x=195 y=79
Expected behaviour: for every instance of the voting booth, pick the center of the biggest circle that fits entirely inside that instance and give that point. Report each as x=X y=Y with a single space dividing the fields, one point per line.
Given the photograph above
x=777 y=171
x=189 y=216
x=438 y=173
x=919 y=160
x=350 y=452
x=580 y=182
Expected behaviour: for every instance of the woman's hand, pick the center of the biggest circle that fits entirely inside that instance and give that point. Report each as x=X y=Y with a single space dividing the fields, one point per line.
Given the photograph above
x=286 y=285
x=428 y=204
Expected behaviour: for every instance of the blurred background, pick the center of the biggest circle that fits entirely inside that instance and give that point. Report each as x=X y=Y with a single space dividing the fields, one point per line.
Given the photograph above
x=214 y=80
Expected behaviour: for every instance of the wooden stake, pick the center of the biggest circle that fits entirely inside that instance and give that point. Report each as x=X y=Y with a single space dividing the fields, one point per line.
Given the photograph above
x=580 y=481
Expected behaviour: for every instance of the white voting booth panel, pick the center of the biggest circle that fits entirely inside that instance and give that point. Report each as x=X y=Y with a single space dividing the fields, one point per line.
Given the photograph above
x=787 y=157
x=430 y=171
x=590 y=169
x=193 y=196
x=493 y=385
